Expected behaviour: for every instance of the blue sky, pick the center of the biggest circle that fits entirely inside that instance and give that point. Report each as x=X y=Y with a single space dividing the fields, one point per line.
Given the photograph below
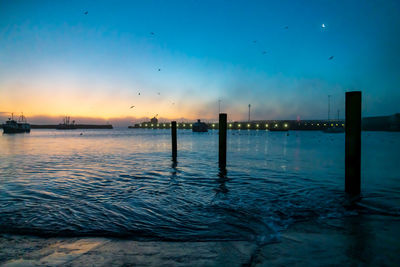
x=55 y=60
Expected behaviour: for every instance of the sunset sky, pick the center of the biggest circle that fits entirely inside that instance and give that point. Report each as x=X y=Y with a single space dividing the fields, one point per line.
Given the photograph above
x=55 y=60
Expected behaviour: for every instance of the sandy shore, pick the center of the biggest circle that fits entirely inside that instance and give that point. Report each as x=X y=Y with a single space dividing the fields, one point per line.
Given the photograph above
x=360 y=240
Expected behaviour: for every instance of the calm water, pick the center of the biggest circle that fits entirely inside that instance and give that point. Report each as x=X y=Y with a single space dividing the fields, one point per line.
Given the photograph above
x=121 y=182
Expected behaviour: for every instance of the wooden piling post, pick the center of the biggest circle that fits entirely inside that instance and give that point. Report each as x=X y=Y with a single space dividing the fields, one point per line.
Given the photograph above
x=174 y=143
x=353 y=143
x=222 y=140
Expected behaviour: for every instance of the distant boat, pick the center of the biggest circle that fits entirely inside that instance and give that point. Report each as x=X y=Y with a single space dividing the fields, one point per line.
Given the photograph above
x=66 y=125
x=13 y=126
x=199 y=127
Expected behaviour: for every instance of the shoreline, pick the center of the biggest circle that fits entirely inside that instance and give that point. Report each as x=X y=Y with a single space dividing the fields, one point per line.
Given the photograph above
x=354 y=240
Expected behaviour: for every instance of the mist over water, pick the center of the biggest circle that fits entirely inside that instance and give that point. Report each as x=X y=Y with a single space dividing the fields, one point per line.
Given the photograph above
x=122 y=182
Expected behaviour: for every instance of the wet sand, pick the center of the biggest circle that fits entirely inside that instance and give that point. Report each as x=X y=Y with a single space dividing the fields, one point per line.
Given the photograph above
x=359 y=240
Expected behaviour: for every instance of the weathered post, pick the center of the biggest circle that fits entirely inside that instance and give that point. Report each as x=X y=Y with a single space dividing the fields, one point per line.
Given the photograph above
x=353 y=143
x=174 y=143
x=222 y=140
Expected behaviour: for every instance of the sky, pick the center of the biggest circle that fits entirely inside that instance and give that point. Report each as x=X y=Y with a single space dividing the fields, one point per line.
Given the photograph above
x=185 y=56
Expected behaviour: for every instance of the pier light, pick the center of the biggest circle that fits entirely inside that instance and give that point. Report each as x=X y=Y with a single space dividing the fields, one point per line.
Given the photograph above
x=286 y=125
x=170 y=125
x=163 y=125
x=248 y=125
x=145 y=125
x=266 y=125
x=343 y=124
x=337 y=124
x=230 y=125
x=257 y=125
x=158 y=125
x=239 y=125
x=183 y=125
x=152 y=125
x=312 y=124
x=331 y=124
x=324 y=124
x=317 y=124
x=276 y=125
x=213 y=125
x=190 y=125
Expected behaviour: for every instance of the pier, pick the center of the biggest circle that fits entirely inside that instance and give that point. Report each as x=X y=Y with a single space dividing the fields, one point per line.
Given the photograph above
x=307 y=125
x=76 y=126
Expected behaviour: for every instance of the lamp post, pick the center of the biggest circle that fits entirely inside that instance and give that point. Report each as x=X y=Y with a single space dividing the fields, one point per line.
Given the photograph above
x=249 y=112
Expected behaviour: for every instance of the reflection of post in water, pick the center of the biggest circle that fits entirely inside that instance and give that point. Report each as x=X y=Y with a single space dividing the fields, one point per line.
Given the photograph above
x=222 y=179
x=359 y=240
x=174 y=169
x=174 y=164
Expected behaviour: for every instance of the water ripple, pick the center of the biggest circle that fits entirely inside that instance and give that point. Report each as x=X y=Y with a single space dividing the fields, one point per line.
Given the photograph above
x=123 y=183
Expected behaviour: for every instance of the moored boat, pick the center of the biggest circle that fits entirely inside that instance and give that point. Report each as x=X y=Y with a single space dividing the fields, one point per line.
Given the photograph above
x=66 y=125
x=199 y=127
x=13 y=126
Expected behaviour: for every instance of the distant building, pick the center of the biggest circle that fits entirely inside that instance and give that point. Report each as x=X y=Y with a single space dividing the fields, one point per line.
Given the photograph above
x=154 y=120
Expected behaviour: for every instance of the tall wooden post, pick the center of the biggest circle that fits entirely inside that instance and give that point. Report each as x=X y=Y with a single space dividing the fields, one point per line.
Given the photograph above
x=222 y=140
x=174 y=143
x=353 y=143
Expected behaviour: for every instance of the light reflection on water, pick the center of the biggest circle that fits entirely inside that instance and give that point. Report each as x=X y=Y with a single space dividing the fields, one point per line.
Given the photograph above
x=122 y=182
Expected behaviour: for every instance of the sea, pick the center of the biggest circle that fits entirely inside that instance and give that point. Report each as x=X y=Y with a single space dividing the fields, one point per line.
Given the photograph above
x=122 y=183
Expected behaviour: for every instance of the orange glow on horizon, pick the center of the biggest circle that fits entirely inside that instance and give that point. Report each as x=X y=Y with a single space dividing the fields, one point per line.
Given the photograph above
x=100 y=107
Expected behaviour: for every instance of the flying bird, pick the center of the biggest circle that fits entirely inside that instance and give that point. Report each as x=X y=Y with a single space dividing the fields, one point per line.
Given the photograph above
x=86 y=12
x=151 y=33
x=286 y=27
x=264 y=52
x=255 y=41
x=331 y=57
x=159 y=69
x=132 y=106
x=138 y=93
x=158 y=93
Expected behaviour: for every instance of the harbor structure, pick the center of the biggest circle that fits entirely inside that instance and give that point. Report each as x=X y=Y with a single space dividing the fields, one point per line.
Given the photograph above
x=252 y=125
x=378 y=123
